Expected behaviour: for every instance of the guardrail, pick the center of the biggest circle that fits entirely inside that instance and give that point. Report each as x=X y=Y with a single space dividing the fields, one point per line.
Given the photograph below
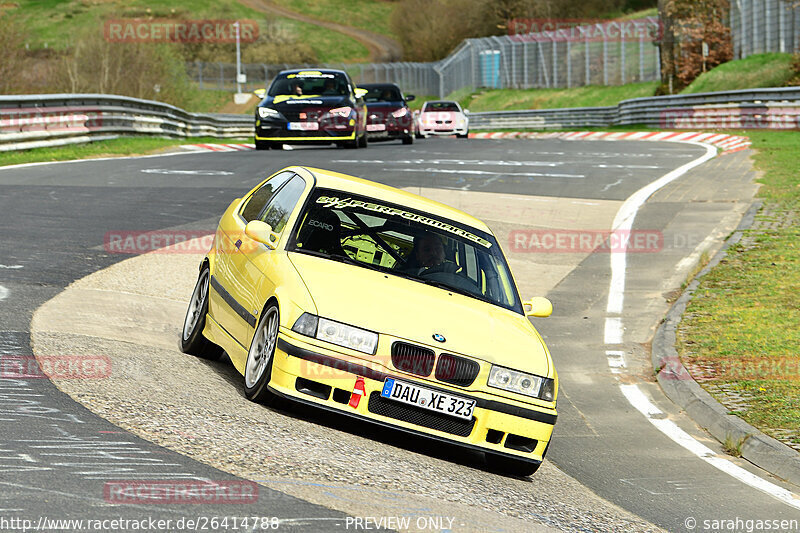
x=34 y=121
x=745 y=109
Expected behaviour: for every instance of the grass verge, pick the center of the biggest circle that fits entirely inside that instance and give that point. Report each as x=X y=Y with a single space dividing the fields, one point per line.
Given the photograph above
x=741 y=327
x=589 y=96
x=124 y=146
x=760 y=70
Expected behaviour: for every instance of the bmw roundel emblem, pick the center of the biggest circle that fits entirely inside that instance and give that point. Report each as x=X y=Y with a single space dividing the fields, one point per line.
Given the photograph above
x=438 y=338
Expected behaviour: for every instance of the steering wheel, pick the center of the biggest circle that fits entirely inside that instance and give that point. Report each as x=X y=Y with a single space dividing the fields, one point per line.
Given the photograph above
x=447 y=267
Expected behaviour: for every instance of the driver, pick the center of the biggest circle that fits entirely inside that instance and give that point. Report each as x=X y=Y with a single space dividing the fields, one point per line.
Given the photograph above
x=428 y=254
x=330 y=87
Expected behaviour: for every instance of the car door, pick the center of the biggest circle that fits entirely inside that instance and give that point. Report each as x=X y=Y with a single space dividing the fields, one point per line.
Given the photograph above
x=225 y=301
x=255 y=265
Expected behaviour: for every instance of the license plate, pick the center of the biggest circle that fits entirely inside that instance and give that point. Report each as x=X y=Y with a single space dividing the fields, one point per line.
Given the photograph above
x=304 y=126
x=376 y=127
x=439 y=402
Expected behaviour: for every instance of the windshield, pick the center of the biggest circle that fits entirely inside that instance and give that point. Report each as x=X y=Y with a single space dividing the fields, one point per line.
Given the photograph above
x=442 y=106
x=382 y=93
x=309 y=83
x=393 y=239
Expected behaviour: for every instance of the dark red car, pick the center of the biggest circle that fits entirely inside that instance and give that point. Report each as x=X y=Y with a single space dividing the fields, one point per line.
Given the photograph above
x=388 y=115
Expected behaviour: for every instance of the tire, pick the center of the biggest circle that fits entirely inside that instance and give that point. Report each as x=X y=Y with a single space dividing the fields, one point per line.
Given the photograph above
x=192 y=340
x=463 y=135
x=362 y=141
x=258 y=368
x=408 y=139
x=418 y=136
x=511 y=466
x=263 y=145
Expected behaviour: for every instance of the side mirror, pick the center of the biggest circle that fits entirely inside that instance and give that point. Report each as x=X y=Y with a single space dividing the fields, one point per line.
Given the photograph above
x=261 y=232
x=538 y=306
x=410 y=97
x=360 y=92
x=260 y=93
x=466 y=111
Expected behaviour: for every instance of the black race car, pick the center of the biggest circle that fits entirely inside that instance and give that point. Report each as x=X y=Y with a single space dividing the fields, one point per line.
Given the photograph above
x=388 y=117
x=320 y=106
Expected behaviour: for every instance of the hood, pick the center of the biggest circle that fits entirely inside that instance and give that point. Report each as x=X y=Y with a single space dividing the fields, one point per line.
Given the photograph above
x=414 y=311
x=298 y=103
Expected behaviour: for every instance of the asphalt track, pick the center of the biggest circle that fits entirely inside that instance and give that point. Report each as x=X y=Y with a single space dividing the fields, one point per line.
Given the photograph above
x=54 y=217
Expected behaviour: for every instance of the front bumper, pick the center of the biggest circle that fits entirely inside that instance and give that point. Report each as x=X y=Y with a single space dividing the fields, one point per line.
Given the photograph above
x=326 y=378
x=277 y=131
x=425 y=132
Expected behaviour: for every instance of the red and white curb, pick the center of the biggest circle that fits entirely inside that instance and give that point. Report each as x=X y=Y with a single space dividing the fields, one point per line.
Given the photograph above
x=727 y=143
x=218 y=147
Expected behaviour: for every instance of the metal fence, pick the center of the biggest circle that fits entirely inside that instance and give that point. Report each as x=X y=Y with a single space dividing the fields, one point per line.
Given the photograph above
x=760 y=26
x=595 y=54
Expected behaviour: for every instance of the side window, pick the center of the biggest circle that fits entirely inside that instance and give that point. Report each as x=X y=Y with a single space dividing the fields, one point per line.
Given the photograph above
x=259 y=199
x=282 y=204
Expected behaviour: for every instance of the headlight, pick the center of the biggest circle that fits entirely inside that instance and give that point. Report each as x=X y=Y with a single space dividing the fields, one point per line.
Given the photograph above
x=400 y=112
x=341 y=111
x=267 y=112
x=521 y=383
x=336 y=333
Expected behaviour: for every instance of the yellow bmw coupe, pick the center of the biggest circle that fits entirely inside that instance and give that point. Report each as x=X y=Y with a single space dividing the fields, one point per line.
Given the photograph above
x=366 y=300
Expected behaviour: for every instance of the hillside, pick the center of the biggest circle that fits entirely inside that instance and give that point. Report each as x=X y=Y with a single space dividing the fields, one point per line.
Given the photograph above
x=54 y=25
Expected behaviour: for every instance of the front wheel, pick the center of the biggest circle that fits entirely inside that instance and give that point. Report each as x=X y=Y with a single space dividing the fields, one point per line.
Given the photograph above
x=408 y=139
x=362 y=141
x=258 y=368
x=263 y=145
x=192 y=340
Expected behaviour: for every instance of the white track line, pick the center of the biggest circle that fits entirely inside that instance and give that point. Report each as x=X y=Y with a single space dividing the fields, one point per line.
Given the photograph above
x=614 y=332
x=3 y=293
x=657 y=417
x=623 y=221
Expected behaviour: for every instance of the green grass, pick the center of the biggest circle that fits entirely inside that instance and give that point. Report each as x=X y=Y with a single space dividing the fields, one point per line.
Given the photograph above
x=330 y=46
x=589 y=96
x=746 y=310
x=364 y=14
x=116 y=147
x=761 y=70
x=55 y=23
x=207 y=101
